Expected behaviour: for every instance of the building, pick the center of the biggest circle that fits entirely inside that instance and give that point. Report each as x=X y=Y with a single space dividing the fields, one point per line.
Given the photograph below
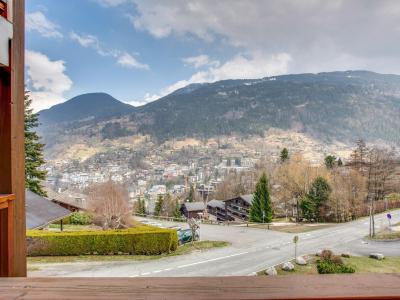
x=217 y=209
x=238 y=208
x=69 y=200
x=193 y=209
x=41 y=212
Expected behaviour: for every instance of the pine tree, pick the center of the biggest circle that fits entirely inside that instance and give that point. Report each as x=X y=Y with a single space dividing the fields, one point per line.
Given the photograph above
x=159 y=205
x=319 y=194
x=261 y=209
x=191 y=194
x=33 y=151
x=284 y=155
x=141 y=209
x=330 y=161
x=177 y=210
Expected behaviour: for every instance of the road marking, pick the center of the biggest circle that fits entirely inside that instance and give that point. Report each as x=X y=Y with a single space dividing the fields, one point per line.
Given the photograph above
x=169 y=269
x=147 y=273
x=134 y=276
x=157 y=271
x=210 y=260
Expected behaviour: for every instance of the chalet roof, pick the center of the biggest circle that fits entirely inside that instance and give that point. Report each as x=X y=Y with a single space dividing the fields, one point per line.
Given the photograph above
x=216 y=203
x=41 y=211
x=194 y=206
x=248 y=198
x=73 y=199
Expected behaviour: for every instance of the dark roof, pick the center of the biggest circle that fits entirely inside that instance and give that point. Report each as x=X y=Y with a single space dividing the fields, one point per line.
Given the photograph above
x=194 y=206
x=216 y=203
x=248 y=198
x=41 y=212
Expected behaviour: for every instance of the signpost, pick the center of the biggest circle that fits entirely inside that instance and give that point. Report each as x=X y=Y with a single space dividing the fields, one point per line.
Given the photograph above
x=295 y=240
x=389 y=216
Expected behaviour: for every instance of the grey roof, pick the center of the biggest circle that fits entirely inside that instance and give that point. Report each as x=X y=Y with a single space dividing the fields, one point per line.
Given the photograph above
x=194 y=206
x=41 y=212
x=248 y=198
x=71 y=198
x=216 y=203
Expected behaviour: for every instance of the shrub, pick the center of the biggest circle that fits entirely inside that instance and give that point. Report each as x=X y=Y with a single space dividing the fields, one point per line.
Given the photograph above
x=329 y=267
x=81 y=218
x=143 y=240
x=326 y=255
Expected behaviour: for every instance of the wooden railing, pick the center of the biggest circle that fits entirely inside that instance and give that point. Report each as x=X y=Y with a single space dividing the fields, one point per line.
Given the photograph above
x=6 y=233
x=356 y=286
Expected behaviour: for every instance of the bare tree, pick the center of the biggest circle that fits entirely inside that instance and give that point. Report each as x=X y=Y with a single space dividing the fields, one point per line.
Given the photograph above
x=109 y=203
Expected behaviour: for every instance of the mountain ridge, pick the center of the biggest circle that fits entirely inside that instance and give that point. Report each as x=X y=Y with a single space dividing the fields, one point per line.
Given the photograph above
x=328 y=106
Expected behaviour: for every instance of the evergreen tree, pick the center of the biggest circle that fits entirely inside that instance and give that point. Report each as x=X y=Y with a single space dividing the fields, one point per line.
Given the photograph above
x=284 y=155
x=177 y=210
x=141 y=208
x=261 y=209
x=159 y=205
x=33 y=151
x=191 y=194
x=319 y=194
x=330 y=161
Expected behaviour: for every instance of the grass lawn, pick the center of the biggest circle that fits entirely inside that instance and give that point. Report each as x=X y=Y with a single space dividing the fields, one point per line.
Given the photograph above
x=184 y=249
x=361 y=264
x=299 y=228
x=387 y=235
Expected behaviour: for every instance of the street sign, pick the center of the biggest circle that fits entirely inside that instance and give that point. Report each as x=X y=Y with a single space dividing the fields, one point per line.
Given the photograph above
x=295 y=239
x=389 y=216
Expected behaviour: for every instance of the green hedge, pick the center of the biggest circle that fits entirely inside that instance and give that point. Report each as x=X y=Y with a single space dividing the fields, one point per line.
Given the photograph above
x=136 y=241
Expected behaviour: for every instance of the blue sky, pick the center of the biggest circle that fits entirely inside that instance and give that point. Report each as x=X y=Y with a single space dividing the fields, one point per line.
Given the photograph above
x=138 y=51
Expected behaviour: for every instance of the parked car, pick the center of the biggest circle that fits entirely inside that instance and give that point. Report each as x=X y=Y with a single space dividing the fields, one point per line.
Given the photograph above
x=185 y=236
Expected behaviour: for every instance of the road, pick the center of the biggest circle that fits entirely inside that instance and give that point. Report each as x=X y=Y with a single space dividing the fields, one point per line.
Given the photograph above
x=251 y=250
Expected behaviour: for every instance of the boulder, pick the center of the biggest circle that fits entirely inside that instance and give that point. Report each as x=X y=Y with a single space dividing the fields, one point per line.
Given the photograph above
x=271 y=271
x=301 y=261
x=288 y=266
x=377 y=256
x=347 y=255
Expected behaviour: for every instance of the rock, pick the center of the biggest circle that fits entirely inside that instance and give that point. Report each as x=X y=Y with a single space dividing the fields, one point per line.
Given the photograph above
x=271 y=271
x=347 y=255
x=319 y=252
x=288 y=266
x=301 y=261
x=377 y=256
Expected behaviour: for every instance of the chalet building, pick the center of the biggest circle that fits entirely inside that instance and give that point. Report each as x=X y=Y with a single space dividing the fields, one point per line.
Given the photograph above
x=41 y=212
x=69 y=200
x=217 y=209
x=238 y=208
x=193 y=209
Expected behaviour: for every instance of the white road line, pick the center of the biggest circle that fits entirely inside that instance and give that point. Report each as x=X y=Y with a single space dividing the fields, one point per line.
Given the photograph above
x=147 y=273
x=210 y=260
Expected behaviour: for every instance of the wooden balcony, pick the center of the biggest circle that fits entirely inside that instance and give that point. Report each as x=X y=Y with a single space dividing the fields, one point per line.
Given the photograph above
x=6 y=233
x=361 y=286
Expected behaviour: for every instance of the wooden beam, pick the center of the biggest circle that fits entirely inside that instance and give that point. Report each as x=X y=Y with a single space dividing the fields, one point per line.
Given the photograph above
x=17 y=136
x=355 y=286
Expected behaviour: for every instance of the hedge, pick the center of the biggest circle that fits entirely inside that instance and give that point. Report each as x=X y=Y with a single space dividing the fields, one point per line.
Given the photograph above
x=135 y=241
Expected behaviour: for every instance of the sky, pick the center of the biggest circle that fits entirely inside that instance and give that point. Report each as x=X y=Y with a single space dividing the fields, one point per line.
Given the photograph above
x=141 y=50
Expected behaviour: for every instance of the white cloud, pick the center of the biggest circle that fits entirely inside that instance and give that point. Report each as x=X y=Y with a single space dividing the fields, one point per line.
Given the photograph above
x=111 y=3
x=46 y=79
x=199 y=61
x=123 y=59
x=314 y=33
x=240 y=67
x=85 y=40
x=37 y=21
x=128 y=61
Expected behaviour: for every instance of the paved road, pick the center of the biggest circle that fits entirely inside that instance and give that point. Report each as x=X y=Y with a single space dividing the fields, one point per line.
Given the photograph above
x=251 y=250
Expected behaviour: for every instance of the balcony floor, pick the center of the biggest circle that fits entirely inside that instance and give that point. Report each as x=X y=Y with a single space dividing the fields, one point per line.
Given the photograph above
x=357 y=286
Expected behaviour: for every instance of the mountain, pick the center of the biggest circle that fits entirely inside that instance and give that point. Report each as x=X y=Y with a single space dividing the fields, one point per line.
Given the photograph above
x=92 y=106
x=330 y=107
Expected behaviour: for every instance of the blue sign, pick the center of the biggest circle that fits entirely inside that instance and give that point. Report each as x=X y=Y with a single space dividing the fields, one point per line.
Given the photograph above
x=389 y=216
